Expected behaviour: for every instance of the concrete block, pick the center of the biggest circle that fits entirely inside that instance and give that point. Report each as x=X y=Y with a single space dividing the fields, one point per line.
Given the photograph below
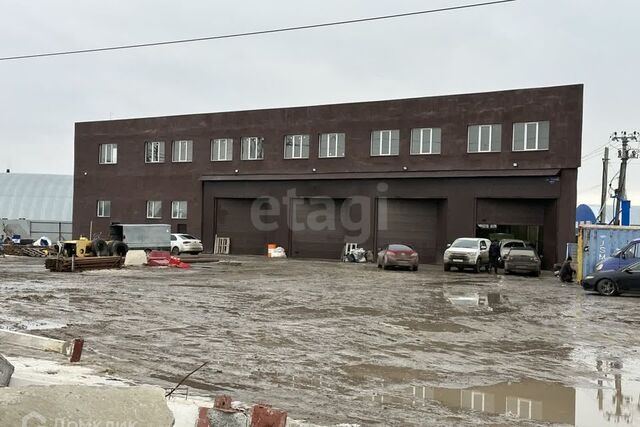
x=6 y=370
x=49 y=406
x=219 y=418
x=72 y=348
x=135 y=258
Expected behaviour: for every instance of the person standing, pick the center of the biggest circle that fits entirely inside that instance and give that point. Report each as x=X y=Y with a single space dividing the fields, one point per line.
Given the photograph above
x=494 y=256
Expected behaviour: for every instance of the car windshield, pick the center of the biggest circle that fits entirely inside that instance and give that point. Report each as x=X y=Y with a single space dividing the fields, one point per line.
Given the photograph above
x=514 y=245
x=188 y=237
x=465 y=243
x=399 y=248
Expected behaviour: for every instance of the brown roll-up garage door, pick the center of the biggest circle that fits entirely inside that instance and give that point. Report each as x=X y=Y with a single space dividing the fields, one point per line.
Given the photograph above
x=317 y=230
x=510 y=211
x=413 y=222
x=233 y=220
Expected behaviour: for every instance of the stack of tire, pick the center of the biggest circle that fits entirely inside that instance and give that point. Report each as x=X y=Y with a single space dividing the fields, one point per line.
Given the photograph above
x=111 y=248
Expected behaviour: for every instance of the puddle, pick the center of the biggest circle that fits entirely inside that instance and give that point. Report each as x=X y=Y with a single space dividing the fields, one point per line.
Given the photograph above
x=477 y=299
x=611 y=401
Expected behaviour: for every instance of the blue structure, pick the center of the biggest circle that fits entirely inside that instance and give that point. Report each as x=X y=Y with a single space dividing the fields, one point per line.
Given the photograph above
x=625 y=207
x=585 y=215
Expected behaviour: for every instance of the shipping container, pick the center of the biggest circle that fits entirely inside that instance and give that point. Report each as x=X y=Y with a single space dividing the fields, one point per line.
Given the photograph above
x=598 y=242
x=143 y=236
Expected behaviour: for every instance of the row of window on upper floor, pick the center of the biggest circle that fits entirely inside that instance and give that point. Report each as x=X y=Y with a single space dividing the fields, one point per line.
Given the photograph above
x=527 y=136
x=154 y=209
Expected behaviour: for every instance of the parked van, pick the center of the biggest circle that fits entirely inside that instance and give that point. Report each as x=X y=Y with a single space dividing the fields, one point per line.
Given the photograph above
x=628 y=255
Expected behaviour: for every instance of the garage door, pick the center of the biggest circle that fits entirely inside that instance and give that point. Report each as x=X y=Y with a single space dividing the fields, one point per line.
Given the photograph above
x=412 y=222
x=233 y=220
x=317 y=231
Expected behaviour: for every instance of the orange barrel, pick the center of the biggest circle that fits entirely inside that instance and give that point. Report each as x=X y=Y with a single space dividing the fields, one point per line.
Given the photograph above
x=270 y=248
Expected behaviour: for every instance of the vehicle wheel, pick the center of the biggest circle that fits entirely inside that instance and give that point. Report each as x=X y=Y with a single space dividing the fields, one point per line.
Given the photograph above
x=536 y=273
x=99 y=247
x=118 y=248
x=414 y=268
x=607 y=287
x=379 y=265
x=175 y=251
x=476 y=268
x=447 y=267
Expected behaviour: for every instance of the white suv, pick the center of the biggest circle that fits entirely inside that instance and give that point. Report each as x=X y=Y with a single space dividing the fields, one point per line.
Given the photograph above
x=185 y=243
x=467 y=252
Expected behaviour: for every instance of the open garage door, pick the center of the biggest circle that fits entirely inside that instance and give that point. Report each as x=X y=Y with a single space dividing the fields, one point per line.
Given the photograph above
x=522 y=219
x=413 y=222
x=233 y=220
x=316 y=229
x=510 y=211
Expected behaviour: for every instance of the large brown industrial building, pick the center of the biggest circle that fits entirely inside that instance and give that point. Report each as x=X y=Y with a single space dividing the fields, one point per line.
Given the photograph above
x=419 y=171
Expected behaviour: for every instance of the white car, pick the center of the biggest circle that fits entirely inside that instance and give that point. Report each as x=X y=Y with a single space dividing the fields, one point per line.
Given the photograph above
x=185 y=243
x=467 y=252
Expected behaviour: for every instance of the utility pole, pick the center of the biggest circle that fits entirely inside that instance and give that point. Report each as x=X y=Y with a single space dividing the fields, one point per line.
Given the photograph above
x=624 y=154
x=602 y=217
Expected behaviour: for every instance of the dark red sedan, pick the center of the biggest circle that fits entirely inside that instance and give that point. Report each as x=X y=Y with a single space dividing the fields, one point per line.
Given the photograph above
x=396 y=255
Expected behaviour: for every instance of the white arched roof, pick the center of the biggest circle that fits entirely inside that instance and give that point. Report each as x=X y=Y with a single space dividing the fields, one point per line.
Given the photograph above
x=36 y=197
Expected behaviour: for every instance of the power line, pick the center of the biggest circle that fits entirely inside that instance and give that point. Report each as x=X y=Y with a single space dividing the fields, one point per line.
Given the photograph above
x=596 y=151
x=254 y=33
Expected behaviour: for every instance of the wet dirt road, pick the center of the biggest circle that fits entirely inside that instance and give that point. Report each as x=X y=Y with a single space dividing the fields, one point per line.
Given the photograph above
x=346 y=343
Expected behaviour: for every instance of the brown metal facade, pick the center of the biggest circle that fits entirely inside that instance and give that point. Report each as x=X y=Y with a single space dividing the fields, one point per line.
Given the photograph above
x=448 y=194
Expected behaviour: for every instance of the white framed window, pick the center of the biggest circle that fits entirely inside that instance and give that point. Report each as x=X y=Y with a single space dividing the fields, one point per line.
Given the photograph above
x=477 y=401
x=104 y=209
x=521 y=408
x=484 y=138
x=182 y=151
x=296 y=147
x=385 y=142
x=179 y=210
x=531 y=136
x=252 y=148
x=108 y=154
x=425 y=141
x=331 y=145
x=154 y=209
x=154 y=152
x=221 y=150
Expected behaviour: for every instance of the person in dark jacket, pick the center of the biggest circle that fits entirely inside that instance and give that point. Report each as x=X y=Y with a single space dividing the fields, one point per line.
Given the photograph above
x=494 y=256
x=567 y=272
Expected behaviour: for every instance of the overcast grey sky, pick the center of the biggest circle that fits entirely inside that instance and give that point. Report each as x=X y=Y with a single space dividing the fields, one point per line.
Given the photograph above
x=523 y=44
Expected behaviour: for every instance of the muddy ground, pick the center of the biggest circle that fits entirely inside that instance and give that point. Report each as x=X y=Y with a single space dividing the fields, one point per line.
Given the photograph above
x=348 y=343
